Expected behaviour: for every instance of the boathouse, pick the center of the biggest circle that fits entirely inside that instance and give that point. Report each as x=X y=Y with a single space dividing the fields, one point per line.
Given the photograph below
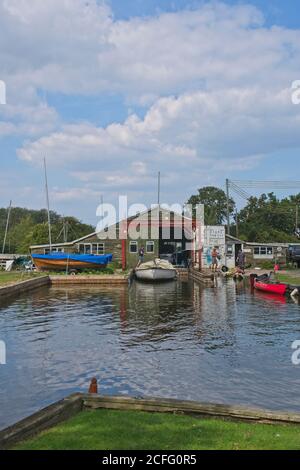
x=163 y=234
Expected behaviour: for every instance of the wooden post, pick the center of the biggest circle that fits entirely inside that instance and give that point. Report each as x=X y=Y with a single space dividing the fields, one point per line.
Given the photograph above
x=6 y=229
x=93 y=386
x=124 y=255
x=228 y=208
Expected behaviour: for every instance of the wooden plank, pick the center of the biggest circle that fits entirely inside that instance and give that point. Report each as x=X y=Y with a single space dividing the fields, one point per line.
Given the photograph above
x=72 y=405
x=24 y=286
x=40 y=421
x=189 y=407
x=206 y=279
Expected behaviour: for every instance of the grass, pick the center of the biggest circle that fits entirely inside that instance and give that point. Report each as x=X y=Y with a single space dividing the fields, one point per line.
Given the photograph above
x=292 y=277
x=6 y=279
x=124 y=430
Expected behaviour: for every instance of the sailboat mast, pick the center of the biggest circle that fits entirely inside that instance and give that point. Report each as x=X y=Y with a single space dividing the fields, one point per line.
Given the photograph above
x=7 y=225
x=48 y=205
x=158 y=190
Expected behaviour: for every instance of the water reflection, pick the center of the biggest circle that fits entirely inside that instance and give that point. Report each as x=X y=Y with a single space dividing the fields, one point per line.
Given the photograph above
x=175 y=340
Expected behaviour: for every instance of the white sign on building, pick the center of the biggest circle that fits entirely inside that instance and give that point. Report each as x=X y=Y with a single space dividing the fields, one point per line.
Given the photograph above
x=213 y=237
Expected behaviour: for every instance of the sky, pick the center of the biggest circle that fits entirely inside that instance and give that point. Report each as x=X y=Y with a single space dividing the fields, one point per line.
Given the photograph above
x=111 y=92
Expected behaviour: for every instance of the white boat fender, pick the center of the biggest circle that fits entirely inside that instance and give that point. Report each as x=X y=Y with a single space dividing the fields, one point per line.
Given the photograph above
x=295 y=292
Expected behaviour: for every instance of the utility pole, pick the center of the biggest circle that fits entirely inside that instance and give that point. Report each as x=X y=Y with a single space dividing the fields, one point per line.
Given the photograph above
x=48 y=205
x=228 y=208
x=237 y=223
x=7 y=225
x=65 y=230
x=158 y=190
x=297 y=217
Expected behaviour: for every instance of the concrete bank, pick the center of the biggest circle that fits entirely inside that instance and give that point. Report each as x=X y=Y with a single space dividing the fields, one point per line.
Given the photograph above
x=88 y=280
x=24 y=286
x=72 y=405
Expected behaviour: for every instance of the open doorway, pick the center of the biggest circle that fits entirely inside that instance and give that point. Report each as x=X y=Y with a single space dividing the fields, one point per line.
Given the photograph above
x=237 y=248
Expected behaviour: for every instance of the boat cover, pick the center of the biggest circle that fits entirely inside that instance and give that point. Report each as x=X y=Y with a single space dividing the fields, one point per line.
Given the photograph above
x=92 y=259
x=157 y=263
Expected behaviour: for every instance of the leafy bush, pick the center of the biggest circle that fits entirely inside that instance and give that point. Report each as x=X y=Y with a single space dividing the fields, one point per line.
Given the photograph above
x=267 y=265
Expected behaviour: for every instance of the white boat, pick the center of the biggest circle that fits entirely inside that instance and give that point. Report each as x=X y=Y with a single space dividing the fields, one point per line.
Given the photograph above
x=157 y=270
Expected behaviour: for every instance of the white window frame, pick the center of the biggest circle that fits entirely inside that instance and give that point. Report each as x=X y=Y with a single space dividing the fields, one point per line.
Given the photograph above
x=133 y=243
x=53 y=250
x=263 y=252
x=152 y=244
x=100 y=248
x=98 y=251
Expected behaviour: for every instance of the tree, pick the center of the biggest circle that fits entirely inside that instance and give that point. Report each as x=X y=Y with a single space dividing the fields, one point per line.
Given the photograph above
x=215 y=204
x=268 y=219
x=29 y=227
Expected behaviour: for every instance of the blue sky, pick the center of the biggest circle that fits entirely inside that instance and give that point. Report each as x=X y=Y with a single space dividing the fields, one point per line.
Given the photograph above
x=112 y=92
x=278 y=12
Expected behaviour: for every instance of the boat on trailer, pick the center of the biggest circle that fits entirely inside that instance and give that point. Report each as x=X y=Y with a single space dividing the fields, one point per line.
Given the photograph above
x=70 y=262
x=156 y=271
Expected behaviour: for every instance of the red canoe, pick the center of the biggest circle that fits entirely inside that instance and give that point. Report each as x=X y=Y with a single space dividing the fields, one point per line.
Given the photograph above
x=279 y=289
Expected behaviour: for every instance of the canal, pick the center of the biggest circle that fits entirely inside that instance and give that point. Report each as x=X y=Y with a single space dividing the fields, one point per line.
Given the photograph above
x=174 y=340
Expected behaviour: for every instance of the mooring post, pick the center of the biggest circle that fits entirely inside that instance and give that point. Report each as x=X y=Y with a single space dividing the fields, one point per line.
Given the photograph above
x=93 y=386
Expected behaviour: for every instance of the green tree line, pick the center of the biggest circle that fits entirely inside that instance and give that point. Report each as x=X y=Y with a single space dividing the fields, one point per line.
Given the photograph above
x=263 y=219
x=30 y=227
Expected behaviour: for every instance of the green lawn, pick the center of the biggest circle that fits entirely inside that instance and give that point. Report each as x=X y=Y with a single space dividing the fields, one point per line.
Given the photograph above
x=122 y=430
x=292 y=277
x=7 y=279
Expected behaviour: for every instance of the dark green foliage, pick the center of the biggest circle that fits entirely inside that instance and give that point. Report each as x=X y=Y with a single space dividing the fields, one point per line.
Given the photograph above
x=215 y=204
x=269 y=219
x=30 y=227
x=264 y=219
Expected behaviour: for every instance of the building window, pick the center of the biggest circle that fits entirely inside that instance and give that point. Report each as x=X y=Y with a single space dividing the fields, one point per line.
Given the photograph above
x=230 y=250
x=133 y=247
x=263 y=251
x=92 y=248
x=101 y=249
x=53 y=250
x=150 y=247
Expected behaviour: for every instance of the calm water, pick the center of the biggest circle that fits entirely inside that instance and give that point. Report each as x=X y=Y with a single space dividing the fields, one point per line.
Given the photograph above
x=171 y=340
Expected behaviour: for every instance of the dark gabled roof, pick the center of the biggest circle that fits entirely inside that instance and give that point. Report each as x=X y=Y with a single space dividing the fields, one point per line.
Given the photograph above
x=94 y=234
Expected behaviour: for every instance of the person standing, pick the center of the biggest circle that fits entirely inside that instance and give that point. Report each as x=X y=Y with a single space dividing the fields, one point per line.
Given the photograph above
x=141 y=255
x=214 y=255
x=241 y=261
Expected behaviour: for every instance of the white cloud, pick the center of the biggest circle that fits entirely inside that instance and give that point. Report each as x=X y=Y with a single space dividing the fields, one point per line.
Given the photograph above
x=25 y=120
x=74 y=46
x=194 y=128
